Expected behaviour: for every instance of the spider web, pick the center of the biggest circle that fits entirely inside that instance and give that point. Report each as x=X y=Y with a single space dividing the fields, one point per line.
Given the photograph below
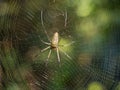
x=92 y=61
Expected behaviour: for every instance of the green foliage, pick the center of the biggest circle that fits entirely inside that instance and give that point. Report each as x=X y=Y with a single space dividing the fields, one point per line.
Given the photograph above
x=92 y=24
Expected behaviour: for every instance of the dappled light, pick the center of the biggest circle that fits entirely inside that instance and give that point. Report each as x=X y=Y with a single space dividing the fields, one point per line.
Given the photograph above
x=95 y=86
x=59 y=45
x=118 y=86
x=85 y=7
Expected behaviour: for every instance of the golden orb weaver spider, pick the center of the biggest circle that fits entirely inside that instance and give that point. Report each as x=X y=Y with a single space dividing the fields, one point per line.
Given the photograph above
x=54 y=43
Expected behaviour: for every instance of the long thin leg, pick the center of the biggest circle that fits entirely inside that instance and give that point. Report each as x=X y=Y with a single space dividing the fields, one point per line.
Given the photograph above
x=65 y=54
x=44 y=25
x=65 y=18
x=45 y=49
x=45 y=42
x=58 y=55
x=48 y=56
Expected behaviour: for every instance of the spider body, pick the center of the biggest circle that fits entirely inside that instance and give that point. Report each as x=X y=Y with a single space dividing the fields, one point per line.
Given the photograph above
x=54 y=45
x=55 y=40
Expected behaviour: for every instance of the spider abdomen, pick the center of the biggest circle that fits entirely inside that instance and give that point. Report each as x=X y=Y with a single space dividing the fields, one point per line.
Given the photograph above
x=55 y=39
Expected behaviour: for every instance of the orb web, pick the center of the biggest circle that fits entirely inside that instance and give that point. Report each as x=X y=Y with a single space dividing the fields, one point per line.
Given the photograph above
x=21 y=22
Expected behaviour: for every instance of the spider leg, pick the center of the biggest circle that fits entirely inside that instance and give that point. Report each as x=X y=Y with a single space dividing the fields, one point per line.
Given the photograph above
x=45 y=49
x=49 y=54
x=58 y=55
x=65 y=54
x=45 y=42
x=65 y=18
x=44 y=25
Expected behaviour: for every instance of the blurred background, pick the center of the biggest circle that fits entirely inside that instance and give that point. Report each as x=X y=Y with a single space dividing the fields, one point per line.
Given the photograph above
x=93 y=26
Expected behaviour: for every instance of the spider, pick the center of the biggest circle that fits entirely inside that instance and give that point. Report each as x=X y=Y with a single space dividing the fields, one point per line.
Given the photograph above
x=54 y=43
